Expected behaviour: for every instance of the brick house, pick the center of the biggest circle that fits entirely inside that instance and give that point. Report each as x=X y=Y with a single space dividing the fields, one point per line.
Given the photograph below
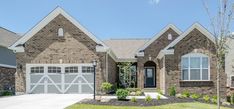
x=7 y=60
x=56 y=56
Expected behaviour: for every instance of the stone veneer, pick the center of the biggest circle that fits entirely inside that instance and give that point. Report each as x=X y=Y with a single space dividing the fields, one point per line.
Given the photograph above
x=7 y=79
x=194 y=42
x=46 y=47
x=152 y=51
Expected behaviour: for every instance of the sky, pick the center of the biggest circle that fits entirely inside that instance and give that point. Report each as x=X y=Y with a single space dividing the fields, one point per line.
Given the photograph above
x=110 y=19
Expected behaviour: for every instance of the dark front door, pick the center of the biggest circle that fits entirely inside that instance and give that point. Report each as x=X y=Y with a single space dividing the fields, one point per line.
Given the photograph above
x=149 y=77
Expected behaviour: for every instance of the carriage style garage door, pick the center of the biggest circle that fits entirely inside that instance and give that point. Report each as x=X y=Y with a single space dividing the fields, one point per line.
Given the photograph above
x=59 y=78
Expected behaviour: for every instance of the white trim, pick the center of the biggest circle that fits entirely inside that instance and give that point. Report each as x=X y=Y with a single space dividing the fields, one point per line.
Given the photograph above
x=200 y=55
x=173 y=27
x=7 y=66
x=194 y=26
x=231 y=81
x=57 y=11
x=165 y=52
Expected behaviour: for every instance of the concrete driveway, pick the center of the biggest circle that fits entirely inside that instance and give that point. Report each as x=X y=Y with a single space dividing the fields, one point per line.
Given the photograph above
x=41 y=101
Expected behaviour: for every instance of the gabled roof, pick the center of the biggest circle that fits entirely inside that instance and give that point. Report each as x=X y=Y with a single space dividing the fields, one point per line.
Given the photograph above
x=125 y=49
x=7 y=38
x=194 y=26
x=57 y=11
x=173 y=27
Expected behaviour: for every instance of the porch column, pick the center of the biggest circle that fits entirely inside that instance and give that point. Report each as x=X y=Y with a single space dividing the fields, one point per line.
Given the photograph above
x=140 y=75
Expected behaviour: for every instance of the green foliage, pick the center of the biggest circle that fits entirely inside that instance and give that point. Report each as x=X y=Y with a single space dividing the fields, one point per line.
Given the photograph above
x=133 y=89
x=148 y=98
x=195 y=96
x=232 y=99
x=159 y=91
x=7 y=93
x=158 y=97
x=185 y=94
x=138 y=93
x=133 y=99
x=172 y=91
x=206 y=98
x=122 y=94
x=106 y=86
x=214 y=99
x=125 y=74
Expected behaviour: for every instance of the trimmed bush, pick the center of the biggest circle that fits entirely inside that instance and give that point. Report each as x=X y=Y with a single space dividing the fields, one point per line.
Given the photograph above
x=158 y=97
x=6 y=93
x=195 y=96
x=133 y=89
x=206 y=98
x=148 y=98
x=106 y=87
x=122 y=94
x=214 y=99
x=172 y=91
x=138 y=93
x=185 y=94
x=133 y=99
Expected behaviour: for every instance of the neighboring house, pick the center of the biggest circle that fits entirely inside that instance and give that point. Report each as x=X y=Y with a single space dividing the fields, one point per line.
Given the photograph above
x=56 y=56
x=229 y=64
x=7 y=59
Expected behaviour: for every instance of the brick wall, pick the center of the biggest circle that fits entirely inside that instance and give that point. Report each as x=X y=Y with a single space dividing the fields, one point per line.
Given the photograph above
x=7 y=79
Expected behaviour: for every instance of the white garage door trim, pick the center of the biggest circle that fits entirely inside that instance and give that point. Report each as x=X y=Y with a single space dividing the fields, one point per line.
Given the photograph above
x=60 y=87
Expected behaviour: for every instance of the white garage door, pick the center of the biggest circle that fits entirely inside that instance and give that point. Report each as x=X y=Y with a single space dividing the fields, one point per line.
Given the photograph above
x=59 y=78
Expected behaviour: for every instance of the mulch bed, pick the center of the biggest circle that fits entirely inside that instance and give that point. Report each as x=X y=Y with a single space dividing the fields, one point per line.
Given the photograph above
x=142 y=102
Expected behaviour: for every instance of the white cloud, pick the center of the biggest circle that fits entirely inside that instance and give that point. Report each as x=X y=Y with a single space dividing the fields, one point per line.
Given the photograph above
x=154 y=2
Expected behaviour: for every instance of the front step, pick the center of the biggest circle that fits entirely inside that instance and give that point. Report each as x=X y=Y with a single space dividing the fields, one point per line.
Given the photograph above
x=149 y=89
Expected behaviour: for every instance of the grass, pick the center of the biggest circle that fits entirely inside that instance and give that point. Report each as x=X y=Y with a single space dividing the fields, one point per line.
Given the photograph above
x=194 y=105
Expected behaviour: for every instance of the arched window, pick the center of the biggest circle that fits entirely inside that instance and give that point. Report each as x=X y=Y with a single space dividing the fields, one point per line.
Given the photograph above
x=195 y=66
x=60 y=32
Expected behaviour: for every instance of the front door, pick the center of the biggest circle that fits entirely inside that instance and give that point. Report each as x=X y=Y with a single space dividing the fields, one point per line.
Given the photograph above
x=149 y=77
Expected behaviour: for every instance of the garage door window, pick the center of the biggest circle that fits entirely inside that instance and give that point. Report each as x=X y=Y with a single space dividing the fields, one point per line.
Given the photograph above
x=39 y=69
x=86 y=69
x=54 y=69
x=71 y=69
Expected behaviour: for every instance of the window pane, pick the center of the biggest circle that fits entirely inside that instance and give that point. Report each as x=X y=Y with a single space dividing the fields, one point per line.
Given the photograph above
x=232 y=81
x=204 y=74
x=185 y=62
x=195 y=62
x=185 y=74
x=195 y=74
x=205 y=62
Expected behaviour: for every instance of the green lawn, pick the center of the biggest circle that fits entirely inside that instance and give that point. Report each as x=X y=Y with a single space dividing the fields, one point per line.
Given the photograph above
x=194 y=105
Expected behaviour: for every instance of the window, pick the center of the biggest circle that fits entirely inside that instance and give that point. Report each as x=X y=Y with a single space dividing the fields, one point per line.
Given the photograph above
x=232 y=81
x=169 y=37
x=39 y=69
x=54 y=69
x=195 y=66
x=87 y=69
x=73 y=69
x=60 y=32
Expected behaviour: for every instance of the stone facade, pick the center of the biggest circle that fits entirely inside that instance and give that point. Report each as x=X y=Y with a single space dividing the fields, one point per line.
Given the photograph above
x=112 y=70
x=7 y=79
x=45 y=47
x=194 y=42
x=151 y=53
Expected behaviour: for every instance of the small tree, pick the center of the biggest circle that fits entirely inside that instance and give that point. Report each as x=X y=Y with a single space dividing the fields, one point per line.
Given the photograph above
x=125 y=74
x=221 y=30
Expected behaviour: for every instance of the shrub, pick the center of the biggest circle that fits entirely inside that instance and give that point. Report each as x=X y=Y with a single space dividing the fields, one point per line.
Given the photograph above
x=195 y=96
x=158 y=97
x=185 y=94
x=106 y=86
x=214 y=99
x=133 y=89
x=228 y=99
x=159 y=91
x=148 y=98
x=7 y=93
x=133 y=99
x=232 y=99
x=206 y=98
x=138 y=93
x=172 y=91
x=122 y=94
